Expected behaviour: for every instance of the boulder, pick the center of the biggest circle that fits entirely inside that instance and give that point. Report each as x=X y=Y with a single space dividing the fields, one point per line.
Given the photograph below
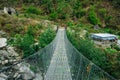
x=2 y=34
x=11 y=51
x=83 y=33
x=4 y=53
x=9 y=10
x=55 y=27
x=1 y=11
x=118 y=43
x=24 y=70
x=96 y=27
x=3 y=42
x=3 y=76
x=38 y=76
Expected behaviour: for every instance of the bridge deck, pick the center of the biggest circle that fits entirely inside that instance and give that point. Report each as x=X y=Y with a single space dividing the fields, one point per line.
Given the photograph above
x=59 y=68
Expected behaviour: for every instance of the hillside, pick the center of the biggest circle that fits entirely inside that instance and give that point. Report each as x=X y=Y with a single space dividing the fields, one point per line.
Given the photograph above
x=36 y=20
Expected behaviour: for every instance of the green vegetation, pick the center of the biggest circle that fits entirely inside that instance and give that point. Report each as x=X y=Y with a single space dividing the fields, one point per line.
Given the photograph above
x=46 y=37
x=26 y=42
x=93 y=17
x=106 y=58
x=33 y=10
x=79 y=15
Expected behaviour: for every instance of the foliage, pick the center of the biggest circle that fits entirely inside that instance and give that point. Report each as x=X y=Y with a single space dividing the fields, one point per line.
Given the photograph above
x=25 y=42
x=53 y=16
x=26 y=45
x=88 y=49
x=82 y=12
x=92 y=17
x=107 y=59
x=116 y=47
x=46 y=37
x=110 y=50
x=33 y=10
x=103 y=12
x=116 y=3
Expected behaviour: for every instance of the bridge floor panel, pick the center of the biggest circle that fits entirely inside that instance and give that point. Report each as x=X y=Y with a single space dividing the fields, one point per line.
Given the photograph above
x=59 y=68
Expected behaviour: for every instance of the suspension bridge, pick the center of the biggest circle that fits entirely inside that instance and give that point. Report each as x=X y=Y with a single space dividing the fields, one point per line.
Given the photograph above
x=60 y=60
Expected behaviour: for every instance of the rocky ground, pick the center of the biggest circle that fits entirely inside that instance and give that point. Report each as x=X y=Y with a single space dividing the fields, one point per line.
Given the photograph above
x=9 y=70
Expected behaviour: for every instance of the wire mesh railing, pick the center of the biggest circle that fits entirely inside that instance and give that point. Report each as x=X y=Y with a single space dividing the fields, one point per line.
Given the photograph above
x=81 y=67
x=38 y=62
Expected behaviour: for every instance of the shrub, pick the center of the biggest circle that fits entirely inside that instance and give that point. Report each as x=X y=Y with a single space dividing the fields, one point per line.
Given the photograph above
x=117 y=47
x=110 y=50
x=70 y=24
x=46 y=37
x=33 y=10
x=105 y=59
x=82 y=12
x=88 y=49
x=53 y=16
x=92 y=17
x=26 y=45
x=25 y=42
x=103 y=12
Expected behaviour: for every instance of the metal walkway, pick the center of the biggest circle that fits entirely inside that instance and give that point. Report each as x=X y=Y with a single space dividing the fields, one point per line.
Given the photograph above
x=59 y=68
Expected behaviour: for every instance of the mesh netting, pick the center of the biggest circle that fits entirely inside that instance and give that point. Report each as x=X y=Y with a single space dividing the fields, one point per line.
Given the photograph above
x=37 y=63
x=80 y=67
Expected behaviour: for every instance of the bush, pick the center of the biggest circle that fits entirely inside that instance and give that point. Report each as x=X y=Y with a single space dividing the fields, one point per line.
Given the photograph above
x=110 y=50
x=117 y=47
x=53 y=16
x=25 y=42
x=92 y=17
x=46 y=37
x=33 y=10
x=106 y=59
x=82 y=12
x=103 y=12
x=26 y=45
x=88 y=49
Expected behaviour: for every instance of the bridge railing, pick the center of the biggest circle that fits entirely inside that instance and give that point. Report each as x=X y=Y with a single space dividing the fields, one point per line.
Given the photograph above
x=38 y=62
x=82 y=68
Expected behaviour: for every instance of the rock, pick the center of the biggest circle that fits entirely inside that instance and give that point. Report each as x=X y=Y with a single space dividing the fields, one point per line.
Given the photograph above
x=83 y=33
x=3 y=53
x=9 y=10
x=96 y=27
x=0 y=61
x=16 y=75
x=2 y=32
x=3 y=76
x=46 y=23
x=5 y=10
x=25 y=71
x=38 y=77
x=6 y=61
x=118 y=43
x=11 y=51
x=1 y=11
x=54 y=27
x=73 y=31
x=3 y=42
